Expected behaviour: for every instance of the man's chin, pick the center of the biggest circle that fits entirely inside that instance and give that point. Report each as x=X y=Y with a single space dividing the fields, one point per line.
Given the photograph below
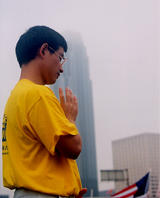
x=50 y=82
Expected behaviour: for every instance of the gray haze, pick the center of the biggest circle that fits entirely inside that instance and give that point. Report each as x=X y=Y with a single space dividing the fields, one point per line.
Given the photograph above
x=122 y=41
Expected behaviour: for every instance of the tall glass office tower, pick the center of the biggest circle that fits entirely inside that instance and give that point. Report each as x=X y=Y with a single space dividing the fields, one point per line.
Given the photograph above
x=76 y=77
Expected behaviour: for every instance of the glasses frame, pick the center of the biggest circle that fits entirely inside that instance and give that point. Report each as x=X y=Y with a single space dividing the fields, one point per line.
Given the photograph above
x=62 y=59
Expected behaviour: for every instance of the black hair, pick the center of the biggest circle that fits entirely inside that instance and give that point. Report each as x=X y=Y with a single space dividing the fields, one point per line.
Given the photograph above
x=30 y=42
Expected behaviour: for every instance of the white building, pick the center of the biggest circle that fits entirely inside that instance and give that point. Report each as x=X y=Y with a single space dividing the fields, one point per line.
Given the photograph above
x=139 y=154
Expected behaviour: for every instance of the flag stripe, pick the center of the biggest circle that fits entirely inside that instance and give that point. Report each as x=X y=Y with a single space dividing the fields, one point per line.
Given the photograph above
x=126 y=193
x=128 y=188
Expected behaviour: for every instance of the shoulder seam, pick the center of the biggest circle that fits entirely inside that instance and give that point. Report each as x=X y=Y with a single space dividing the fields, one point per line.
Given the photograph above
x=34 y=104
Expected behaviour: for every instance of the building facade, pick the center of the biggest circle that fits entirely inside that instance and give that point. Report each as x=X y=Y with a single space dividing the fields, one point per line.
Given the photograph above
x=76 y=77
x=138 y=154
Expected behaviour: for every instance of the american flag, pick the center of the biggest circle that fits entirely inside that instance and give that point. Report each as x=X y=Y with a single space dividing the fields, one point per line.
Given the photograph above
x=139 y=189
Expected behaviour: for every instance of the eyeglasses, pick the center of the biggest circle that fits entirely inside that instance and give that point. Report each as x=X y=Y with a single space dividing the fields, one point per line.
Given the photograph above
x=62 y=60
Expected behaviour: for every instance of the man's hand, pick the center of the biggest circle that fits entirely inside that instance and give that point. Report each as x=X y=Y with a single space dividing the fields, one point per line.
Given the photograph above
x=81 y=193
x=69 y=104
x=69 y=146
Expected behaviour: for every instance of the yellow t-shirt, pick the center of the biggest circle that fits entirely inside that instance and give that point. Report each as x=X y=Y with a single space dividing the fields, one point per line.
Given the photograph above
x=32 y=124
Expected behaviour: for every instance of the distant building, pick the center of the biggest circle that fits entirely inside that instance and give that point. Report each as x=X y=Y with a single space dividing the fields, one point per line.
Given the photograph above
x=158 y=191
x=76 y=76
x=139 y=154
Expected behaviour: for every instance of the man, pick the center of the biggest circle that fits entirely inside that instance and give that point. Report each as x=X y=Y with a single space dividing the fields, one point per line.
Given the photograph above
x=40 y=141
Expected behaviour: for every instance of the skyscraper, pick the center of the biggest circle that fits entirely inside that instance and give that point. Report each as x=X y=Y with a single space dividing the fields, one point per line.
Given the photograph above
x=76 y=76
x=139 y=154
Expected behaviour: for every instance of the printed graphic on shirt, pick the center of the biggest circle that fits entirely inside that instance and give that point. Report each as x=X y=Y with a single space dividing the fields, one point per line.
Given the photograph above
x=4 y=138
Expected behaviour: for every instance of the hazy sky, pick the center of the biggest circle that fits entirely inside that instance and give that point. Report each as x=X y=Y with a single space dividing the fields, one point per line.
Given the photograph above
x=122 y=42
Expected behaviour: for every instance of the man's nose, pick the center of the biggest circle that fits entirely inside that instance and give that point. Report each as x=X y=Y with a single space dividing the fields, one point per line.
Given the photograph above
x=61 y=69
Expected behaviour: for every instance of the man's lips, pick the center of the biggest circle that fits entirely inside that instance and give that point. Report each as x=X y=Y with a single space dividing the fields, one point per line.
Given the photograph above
x=58 y=74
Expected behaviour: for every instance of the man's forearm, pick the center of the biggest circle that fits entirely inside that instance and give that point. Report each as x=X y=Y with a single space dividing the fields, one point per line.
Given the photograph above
x=69 y=146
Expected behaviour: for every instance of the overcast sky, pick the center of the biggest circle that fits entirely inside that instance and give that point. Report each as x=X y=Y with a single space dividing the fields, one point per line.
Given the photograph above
x=122 y=42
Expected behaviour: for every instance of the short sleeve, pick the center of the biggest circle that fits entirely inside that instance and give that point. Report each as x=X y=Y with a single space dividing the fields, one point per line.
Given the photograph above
x=48 y=121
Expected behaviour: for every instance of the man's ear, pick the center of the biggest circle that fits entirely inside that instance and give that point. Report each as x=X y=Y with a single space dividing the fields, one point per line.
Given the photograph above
x=43 y=49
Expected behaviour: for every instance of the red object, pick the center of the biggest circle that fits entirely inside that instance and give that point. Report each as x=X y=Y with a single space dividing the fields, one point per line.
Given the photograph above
x=81 y=193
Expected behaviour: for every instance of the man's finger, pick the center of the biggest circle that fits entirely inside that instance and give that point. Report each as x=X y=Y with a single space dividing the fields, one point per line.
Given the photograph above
x=71 y=96
x=75 y=102
x=68 y=95
x=61 y=96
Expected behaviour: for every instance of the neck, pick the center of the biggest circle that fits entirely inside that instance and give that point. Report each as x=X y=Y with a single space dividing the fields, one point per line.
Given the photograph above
x=31 y=72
